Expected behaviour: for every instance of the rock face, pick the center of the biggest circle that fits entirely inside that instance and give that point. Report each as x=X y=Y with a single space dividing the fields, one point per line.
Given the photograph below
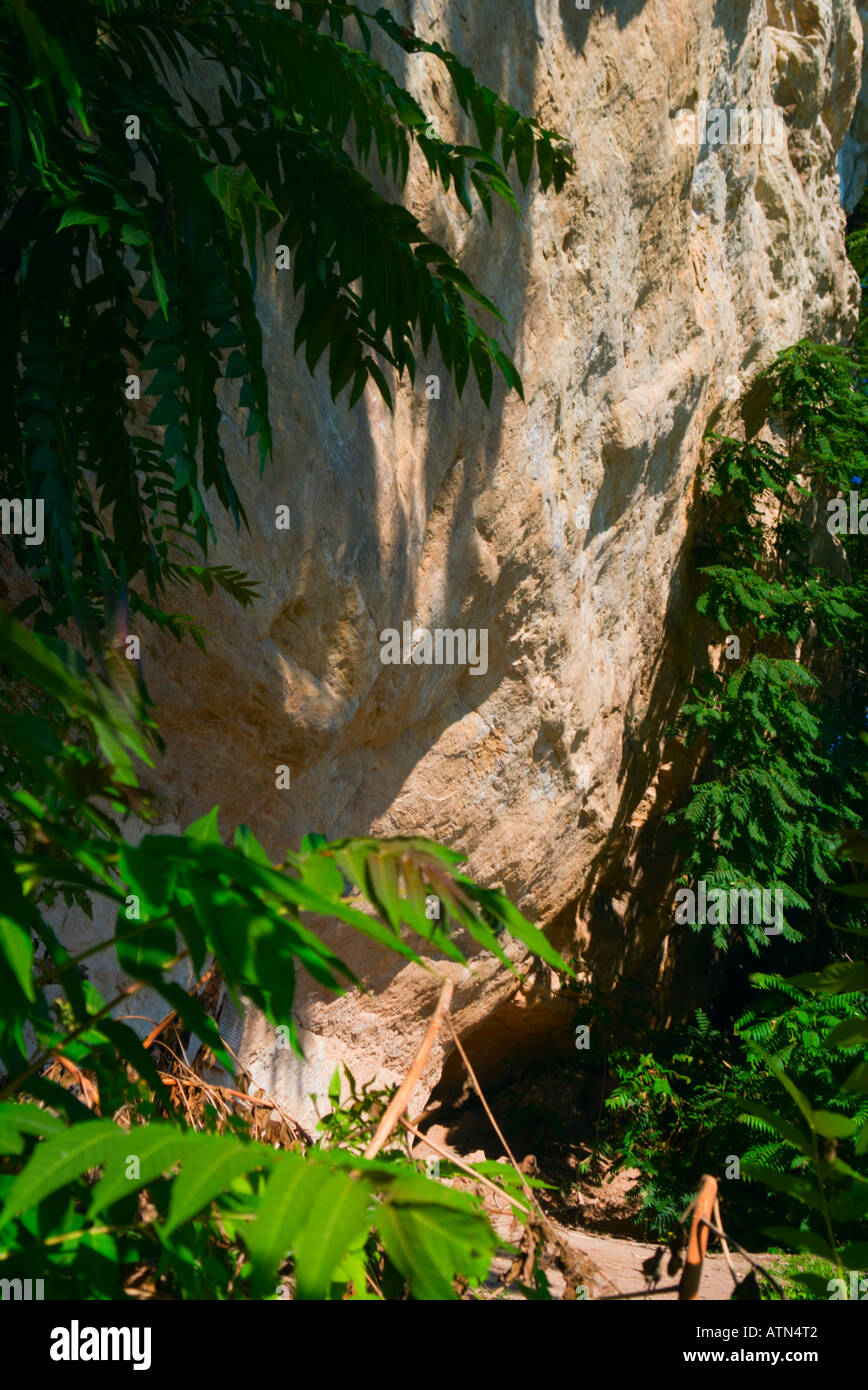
x=640 y=301
x=853 y=156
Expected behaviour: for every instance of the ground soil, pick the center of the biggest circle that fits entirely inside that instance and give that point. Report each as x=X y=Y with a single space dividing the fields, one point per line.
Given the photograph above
x=598 y=1223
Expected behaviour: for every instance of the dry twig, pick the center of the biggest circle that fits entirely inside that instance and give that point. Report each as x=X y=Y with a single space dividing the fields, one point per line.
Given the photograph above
x=398 y=1104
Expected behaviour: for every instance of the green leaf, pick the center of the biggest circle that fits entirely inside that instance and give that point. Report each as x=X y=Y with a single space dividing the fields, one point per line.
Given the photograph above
x=848 y=1033
x=834 y=1126
x=247 y=843
x=50 y=55
x=840 y=977
x=238 y=365
x=164 y=380
x=794 y=1186
x=134 y=235
x=383 y=871
x=16 y=949
x=205 y=829
x=432 y=1244
x=59 y=1160
x=518 y=926
x=338 y=1215
x=857 y=1079
x=789 y=1086
x=82 y=217
x=18 y=1119
x=855 y=1256
x=801 y=1240
x=787 y=1131
x=159 y=284
x=156 y=1147
x=169 y=408
x=283 y=1209
x=128 y=1046
x=232 y=187
x=211 y=1163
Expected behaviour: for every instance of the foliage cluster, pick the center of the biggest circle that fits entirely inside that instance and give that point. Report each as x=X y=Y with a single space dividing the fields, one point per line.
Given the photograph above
x=143 y=255
x=778 y=803
x=135 y=249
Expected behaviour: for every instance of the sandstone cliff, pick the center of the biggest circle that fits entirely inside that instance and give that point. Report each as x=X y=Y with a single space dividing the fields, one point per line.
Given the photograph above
x=640 y=302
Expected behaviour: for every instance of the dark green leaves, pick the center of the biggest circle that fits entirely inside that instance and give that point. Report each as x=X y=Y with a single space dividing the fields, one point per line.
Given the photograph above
x=790 y=1133
x=432 y=1237
x=187 y=208
x=314 y=1210
x=189 y=897
x=801 y=1239
x=234 y=188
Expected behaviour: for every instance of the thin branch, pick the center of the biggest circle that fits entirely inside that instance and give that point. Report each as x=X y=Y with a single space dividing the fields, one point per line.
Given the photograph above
x=723 y=1242
x=400 y=1100
x=496 y=1127
x=72 y=1235
x=465 y=1167
x=750 y=1259
x=46 y=1055
x=155 y=1032
x=195 y=1080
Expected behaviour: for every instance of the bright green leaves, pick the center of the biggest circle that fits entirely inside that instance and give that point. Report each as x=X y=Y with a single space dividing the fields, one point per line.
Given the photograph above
x=138 y=1160
x=318 y=1215
x=210 y=1166
x=339 y=1213
x=81 y=217
x=18 y=1120
x=409 y=881
x=283 y=1210
x=127 y=1161
x=59 y=1160
x=314 y=1210
x=431 y=1241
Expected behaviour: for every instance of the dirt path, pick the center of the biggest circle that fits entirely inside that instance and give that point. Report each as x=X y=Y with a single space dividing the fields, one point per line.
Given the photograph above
x=615 y=1261
x=620 y=1261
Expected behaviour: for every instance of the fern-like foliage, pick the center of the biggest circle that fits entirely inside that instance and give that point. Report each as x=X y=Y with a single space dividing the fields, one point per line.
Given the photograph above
x=137 y=198
x=775 y=727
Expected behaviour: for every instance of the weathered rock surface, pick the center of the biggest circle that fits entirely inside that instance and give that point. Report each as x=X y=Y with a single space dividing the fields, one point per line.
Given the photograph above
x=639 y=301
x=853 y=157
